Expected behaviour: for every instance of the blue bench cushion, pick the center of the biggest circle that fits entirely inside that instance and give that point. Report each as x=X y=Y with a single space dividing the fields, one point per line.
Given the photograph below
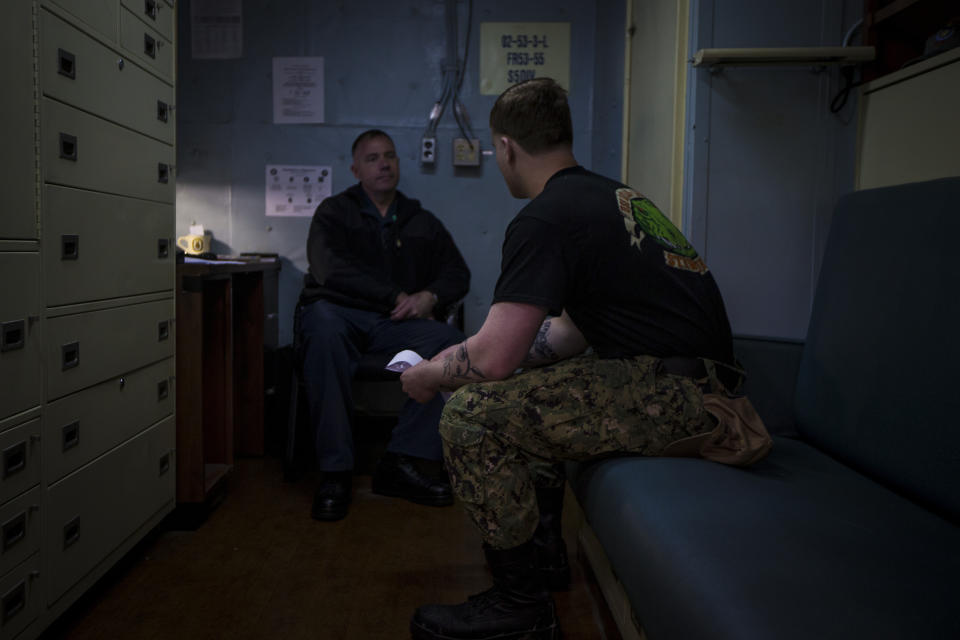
x=878 y=381
x=796 y=546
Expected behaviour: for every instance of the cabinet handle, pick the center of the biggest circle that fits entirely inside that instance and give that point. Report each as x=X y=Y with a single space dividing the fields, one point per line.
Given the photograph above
x=14 y=601
x=14 y=459
x=69 y=247
x=68 y=147
x=163 y=330
x=66 y=64
x=163 y=173
x=163 y=111
x=70 y=354
x=12 y=335
x=71 y=532
x=163 y=248
x=150 y=9
x=164 y=465
x=14 y=530
x=163 y=390
x=149 y=45
x=71 y=435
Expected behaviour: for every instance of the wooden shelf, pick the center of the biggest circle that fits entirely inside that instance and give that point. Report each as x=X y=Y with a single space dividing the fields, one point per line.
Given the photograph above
x=777 y=56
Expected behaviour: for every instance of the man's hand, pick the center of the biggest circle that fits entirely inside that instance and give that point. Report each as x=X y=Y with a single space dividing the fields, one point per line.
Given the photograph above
x=417 y=305
x=422 y=381
x=494 y=353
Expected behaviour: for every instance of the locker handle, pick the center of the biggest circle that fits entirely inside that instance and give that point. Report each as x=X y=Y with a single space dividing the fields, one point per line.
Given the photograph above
x=163 y=173
x=70 y=354
x=68 y=147
x=12 y=335
x=150 y=9
x=71 y=435
x=69 y=247
x=163 y=248
x=14 y=459
x=14 y=601
x=163 y=110
x=66 y=64
x=14 y=530
x=71 y=532
x=163 y=390
x=164 y=463
x=149 y=45
x=163 y=330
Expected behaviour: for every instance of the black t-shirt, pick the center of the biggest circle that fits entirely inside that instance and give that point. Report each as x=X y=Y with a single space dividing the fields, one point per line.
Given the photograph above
x=623 y=272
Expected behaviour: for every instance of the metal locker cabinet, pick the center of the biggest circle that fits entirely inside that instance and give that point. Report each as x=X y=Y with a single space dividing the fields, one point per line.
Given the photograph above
x=98 y=246
x=154 y=13
x=81 y=150
x=20 y=367
x=19 y=529
x=19 y=194
x=101 y=16
x=146 y=44
x=84 y=425
x=83 y=349
x=20 y=597
x=78 y=70
x=89 y=513
x=19 y=459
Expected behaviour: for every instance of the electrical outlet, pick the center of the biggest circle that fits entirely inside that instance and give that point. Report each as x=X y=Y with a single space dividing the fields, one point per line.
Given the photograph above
x=466 y=153
x=428 y=150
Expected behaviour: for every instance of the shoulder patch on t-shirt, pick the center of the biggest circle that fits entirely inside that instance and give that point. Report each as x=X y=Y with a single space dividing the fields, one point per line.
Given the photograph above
x=642 y=218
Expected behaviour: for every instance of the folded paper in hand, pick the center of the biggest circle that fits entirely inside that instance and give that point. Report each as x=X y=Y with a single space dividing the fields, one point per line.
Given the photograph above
x=406 y=359
x=403 y=360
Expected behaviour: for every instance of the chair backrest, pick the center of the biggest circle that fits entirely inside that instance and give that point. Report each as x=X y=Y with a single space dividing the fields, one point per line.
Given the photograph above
x=879 y=385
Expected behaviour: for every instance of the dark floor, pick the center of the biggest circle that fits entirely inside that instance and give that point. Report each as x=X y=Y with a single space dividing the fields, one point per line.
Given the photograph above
x=260 y=567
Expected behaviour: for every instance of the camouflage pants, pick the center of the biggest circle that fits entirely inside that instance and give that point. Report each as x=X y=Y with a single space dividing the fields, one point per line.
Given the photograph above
x=501 y=439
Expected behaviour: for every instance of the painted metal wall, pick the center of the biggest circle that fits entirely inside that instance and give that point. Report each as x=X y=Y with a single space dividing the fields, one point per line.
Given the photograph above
x=382 y=69
x=766 y=159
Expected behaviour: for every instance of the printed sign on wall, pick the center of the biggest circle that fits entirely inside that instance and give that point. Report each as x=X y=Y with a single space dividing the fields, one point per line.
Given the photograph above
x=296 y=190
x=298 y=90
x=511 y=52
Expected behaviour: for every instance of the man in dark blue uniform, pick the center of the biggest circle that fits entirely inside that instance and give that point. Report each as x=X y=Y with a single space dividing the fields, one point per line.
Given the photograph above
x=383 y=271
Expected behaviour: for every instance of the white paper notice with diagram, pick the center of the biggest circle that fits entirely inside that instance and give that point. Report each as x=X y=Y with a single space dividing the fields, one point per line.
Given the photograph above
x=296 y=190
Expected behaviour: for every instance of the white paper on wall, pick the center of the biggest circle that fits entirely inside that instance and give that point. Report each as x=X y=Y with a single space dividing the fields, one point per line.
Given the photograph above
x=297 y=90
x=216 y=29
x=296 y=190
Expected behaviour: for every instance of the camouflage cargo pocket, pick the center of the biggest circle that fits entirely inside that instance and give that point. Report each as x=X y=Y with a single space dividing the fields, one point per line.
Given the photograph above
x=462 y=445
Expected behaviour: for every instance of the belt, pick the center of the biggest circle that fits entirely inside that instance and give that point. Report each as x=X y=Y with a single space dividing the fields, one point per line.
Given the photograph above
x=688 y=367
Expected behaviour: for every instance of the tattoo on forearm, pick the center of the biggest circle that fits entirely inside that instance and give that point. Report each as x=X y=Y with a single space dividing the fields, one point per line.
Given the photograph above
x=457 y=366
x=541 y=351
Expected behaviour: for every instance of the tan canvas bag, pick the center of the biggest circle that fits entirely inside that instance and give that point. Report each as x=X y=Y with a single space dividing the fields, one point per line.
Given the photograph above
x=740 y=437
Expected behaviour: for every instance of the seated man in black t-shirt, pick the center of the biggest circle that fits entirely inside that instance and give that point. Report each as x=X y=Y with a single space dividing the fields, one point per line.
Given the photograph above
x=588 y=262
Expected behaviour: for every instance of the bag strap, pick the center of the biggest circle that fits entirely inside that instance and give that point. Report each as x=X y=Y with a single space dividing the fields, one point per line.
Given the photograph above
x=716 y=384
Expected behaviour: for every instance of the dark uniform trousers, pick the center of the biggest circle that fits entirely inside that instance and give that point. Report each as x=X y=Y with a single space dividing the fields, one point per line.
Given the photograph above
x=333 y=338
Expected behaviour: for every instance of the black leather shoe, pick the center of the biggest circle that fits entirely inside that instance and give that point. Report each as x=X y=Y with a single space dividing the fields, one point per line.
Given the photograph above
x=332 y=497
x=401 y=476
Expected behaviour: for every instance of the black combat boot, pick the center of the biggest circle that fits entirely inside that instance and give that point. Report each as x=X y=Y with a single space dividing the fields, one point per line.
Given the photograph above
x=516 y=607
x=550 y=551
